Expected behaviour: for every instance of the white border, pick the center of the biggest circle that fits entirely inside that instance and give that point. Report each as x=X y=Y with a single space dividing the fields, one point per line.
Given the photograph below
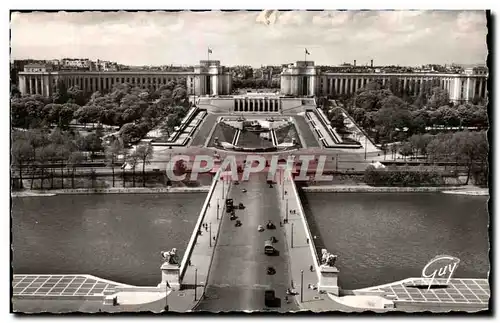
x=147 y=4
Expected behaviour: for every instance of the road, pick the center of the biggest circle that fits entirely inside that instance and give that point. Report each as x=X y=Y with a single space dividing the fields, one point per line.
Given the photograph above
x=238 y=275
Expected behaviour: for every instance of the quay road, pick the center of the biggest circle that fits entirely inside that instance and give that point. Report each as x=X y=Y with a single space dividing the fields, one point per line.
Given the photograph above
x=238 y=275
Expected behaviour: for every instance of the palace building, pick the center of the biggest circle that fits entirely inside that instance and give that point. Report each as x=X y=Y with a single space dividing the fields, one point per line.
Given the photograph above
x=304 y=79
x=301 y=79
x=207 y=78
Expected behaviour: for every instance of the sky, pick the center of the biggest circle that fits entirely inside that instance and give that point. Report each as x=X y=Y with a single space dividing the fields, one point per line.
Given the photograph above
x=254 y=38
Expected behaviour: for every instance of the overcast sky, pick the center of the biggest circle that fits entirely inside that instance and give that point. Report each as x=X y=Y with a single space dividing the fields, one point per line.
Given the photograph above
x=254 y=38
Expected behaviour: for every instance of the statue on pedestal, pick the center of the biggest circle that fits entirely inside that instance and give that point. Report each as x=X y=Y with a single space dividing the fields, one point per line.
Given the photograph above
x=328 y=259
x=170 y=257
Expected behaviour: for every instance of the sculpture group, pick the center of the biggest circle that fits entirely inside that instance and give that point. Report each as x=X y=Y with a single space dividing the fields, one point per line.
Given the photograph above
x=328 y=259
x=170 y=257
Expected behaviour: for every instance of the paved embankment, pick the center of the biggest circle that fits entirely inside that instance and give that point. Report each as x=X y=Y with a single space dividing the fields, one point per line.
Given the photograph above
x=134 y=190
x=367 y=189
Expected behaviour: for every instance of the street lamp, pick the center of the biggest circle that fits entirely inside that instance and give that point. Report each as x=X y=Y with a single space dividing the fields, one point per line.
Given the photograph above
x=210 y=234
x=195 y=282
x=286 y=211
x=302 y=286
x=217 y=208
x=166 y=297
x=291 y=236
x=366 y=139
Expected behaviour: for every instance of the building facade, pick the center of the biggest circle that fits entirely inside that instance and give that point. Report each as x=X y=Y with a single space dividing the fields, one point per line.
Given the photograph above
x=304 y=79
x=208 y=78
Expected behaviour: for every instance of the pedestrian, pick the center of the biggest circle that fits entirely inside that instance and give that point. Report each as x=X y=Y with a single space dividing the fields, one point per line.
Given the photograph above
x=281 y=224
x=311 y=268
x=307 y=240
x=189 y=262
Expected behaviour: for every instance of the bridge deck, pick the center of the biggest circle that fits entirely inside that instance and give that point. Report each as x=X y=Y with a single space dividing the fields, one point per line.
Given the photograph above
x=459 y=291
x=61 y=285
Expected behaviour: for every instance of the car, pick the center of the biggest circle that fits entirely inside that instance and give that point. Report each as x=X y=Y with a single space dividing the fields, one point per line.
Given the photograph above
x=269 y=297
x=260 y=228
x=269 y=248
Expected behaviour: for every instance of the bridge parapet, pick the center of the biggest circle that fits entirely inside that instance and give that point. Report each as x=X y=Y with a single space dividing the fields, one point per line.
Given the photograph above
x=327 y=276
x=198 y=254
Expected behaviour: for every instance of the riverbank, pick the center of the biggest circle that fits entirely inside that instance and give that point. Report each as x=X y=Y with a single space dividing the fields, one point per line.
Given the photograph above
x=116 y=190
x=363 y=188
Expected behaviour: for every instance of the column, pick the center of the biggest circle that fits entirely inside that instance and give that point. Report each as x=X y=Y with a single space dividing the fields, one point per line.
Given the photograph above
x=46 y=85
x=36 y=85
x=312 y=87
x=22 y=84
x=480 y=88
x=214 y=85
x=467 y=90
x=404 y=84
x=352 y=86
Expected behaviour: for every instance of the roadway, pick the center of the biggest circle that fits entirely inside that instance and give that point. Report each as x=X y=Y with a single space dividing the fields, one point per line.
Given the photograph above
x=238 y=275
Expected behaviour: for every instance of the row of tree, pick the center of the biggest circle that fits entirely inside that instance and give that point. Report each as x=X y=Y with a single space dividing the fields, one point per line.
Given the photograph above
x=388 y=118
x=463 y=147
x=33 y=150
x=135 y=110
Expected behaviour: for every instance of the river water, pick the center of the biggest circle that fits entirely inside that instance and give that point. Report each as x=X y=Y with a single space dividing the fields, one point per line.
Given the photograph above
x=384 y=237
x=113 y=236
x=379 y=237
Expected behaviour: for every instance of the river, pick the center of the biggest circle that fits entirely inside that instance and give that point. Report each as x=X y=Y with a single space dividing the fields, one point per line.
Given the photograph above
x=379 y=237
x=113 y=236
x=384 y=237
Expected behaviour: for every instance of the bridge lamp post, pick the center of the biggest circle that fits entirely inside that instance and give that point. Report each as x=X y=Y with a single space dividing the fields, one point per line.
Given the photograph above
x=302 y=286
x=291 y=236
x=218 y=209
x=166 y=297
x=286 y=211
x=195 y=282
x=366 y=140
x=210 y=234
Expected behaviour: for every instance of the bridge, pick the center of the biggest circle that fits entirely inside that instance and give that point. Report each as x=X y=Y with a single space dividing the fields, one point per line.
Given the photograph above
x=224 y=267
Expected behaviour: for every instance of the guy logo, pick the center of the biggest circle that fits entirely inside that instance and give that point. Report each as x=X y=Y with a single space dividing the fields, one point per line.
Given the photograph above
x=440 y=267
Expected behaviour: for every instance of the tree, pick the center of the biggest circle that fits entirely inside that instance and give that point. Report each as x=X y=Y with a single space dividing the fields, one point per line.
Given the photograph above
x=471 y=147
x=22 y=154
x=439 y=97
x=132 y=160
x=76 y=95
x=337 y=119
x=144 y=153
x=112 y=153
x=406 y=150
x=74 y=158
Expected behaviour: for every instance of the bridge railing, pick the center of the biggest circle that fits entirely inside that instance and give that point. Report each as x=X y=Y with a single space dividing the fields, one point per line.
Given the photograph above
x=197 y=227
x=312 y=246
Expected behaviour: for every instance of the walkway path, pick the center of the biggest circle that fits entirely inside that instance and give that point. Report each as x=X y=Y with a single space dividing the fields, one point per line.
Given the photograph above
x=238 y=277
x=202 y=254
x=300 y=255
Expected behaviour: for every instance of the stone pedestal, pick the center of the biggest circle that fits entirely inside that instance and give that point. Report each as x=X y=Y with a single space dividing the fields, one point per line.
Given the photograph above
x=170 y=273
x=329 y=280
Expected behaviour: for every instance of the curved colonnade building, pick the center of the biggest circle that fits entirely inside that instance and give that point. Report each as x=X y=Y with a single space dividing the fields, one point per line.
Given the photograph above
x=301 y=79
x=207 y=78
x=304 y=79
